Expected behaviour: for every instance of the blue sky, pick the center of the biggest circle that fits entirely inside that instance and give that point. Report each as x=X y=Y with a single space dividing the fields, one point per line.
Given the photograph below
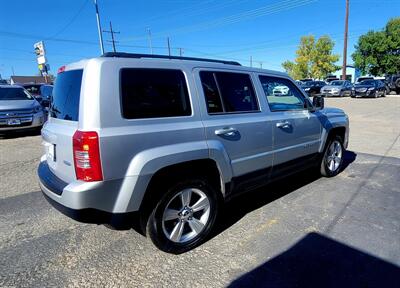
x=269 y=31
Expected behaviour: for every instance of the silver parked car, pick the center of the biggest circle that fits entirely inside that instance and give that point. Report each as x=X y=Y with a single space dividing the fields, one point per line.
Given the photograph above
x=339 y=88
x=19 y=109
x=171 y=138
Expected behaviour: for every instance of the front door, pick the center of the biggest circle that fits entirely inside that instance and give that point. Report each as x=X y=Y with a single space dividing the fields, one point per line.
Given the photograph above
x=296 y=130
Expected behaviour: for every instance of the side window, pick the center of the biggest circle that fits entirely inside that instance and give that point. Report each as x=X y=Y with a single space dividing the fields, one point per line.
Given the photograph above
x=281 y=94
x=151 y=93
x=228 y=92
x=211 y=92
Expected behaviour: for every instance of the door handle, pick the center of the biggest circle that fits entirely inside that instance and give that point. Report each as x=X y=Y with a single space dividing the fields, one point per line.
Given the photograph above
x=283 y=124
x=228 y=131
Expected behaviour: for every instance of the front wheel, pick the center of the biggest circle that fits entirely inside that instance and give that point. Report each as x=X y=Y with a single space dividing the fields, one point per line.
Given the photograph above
x=332 y=159
x=184 y=216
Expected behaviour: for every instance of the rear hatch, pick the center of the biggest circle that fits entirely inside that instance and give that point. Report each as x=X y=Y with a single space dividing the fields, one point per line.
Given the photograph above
x=62 y=124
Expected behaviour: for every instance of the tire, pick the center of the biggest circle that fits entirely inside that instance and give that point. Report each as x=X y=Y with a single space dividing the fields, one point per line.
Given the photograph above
x=397 y=83
x=327 y=169
x=163 y=227
x=376 y=95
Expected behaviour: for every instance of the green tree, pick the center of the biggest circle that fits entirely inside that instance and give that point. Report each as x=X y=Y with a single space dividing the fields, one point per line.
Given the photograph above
x=378 y=52
x=314 y=58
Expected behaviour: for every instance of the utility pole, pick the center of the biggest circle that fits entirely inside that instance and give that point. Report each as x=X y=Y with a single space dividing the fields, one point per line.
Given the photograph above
x=261 y=64
x=150 y=43
x=251 y=61
x=99 y=27
x=180 y=52
x=346 y=28
x=169 y=47
x=112 y=32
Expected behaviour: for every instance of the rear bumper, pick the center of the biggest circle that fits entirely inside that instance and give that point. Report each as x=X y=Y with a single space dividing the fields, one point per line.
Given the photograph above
x=89 y=202
x=54 y=190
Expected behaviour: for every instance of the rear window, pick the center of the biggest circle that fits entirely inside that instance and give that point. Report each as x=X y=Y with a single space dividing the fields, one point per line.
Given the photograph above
x=66 y=95
x=152 y=93
x=228 y=92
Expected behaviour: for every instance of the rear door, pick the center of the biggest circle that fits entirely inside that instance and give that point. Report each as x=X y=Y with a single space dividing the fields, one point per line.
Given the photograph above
x=296 y=130
x=62 y=124
x=233 y=117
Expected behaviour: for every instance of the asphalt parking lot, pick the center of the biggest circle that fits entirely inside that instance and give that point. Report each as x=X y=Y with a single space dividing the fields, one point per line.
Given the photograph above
x=304 y=231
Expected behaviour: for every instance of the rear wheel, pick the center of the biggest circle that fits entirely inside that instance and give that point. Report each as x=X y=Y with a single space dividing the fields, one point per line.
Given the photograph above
x=183 y=217
x=332 y=159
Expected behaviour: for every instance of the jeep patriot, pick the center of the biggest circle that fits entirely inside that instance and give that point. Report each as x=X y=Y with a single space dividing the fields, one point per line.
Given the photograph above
x=171 y=138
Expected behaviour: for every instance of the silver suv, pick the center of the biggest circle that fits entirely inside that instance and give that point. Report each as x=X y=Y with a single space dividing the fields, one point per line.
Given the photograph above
x=19 y=110
x=169 y=139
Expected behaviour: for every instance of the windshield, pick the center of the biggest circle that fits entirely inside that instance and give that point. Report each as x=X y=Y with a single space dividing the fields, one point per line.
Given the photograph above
x=14 y=94
x=308 y=84
x=367 y=82
x=337 y=83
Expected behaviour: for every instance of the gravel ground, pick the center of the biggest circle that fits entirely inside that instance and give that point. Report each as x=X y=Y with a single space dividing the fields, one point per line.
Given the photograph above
x=304 y=231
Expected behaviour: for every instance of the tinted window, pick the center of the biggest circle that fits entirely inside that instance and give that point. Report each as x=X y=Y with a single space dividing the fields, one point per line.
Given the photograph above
x=228 y=92
x=282 y=94
x=14 y=94
x=210 y=88
x=237 y=92
x=150 y=93
x=66 y=95
x=368 y=82
x=337 y=83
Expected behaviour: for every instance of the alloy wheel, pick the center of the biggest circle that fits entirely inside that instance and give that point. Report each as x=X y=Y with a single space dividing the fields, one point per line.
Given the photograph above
x=186 y=215
x=334 y=156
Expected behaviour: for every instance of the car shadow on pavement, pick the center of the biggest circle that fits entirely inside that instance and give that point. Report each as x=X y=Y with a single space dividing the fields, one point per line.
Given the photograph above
x=318 y=261
x=19 y=134
x=239 y=206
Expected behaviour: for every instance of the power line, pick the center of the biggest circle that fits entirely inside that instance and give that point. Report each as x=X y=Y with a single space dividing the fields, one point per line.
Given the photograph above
x=69 y=22
x=36 y=37
x=232 y=19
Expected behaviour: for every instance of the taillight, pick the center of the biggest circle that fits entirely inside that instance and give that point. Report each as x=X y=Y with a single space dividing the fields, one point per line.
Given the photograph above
x=61 y=69
x=87 y=156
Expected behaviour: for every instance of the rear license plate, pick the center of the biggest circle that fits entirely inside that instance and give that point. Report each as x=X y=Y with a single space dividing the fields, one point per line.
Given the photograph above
x=13 y=122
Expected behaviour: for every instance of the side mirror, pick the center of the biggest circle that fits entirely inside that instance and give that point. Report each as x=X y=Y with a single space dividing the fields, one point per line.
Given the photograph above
x=318 y=102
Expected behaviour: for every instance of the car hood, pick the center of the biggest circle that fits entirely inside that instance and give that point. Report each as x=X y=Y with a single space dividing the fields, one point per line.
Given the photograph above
x=331 y=87
x=364 y=86
x=17 y=104
x=332 y=112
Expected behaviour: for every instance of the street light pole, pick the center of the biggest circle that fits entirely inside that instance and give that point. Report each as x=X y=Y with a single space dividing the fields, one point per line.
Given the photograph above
x=346 y=28
x=99 y=27
x=150 y=43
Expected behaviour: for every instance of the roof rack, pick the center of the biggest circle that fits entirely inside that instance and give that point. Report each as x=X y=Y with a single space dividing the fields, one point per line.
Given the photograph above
x=137 y=56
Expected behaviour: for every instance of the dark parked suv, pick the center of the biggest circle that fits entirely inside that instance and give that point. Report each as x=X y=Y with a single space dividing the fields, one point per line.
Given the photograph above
x=393 y=83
